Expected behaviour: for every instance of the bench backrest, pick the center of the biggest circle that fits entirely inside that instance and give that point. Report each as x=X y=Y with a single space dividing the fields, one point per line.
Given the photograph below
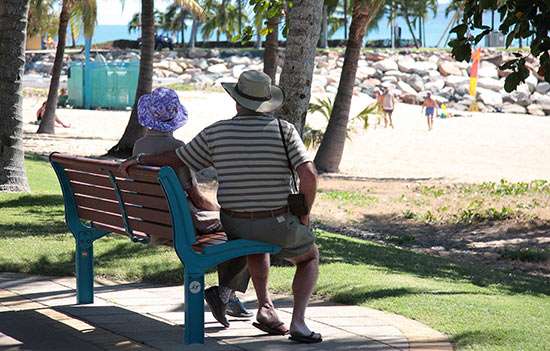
x=134 y=205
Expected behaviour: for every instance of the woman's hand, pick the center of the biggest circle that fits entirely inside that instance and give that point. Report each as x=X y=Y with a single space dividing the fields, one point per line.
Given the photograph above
x=123 y=167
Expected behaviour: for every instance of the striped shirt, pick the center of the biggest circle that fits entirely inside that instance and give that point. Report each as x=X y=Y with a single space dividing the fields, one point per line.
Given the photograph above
x=248 y=155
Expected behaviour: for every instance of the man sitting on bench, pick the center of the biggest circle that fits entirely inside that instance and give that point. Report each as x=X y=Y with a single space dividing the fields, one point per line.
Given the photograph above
x=256 y=156
x=162 y=113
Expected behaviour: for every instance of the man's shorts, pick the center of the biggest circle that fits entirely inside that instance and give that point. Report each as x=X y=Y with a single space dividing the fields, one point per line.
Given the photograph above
x=286 y=231
x=430 y=111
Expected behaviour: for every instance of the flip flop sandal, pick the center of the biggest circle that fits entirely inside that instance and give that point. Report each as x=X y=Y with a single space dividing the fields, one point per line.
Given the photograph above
x=272 y=329
x=312 y=338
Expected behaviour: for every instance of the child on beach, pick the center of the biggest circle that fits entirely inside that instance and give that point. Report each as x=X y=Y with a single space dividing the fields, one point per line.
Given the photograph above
x=430 y=109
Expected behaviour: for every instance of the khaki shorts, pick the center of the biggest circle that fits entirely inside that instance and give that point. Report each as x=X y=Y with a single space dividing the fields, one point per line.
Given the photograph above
x=286 y=231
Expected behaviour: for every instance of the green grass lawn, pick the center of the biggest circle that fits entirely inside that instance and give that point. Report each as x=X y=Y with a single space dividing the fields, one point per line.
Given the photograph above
x=479 y=309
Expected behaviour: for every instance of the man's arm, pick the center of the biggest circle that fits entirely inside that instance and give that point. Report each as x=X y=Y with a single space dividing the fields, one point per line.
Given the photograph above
x=170 y=158
x=308 y=186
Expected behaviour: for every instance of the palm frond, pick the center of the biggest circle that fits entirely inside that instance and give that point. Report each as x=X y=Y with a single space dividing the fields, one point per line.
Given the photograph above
x=89 y=17
x=364 y=115
x=312 y=137
x=193 y=7
x=323 y=106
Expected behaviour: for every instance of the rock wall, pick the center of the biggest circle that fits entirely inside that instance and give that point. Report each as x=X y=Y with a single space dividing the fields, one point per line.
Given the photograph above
x=410 y=74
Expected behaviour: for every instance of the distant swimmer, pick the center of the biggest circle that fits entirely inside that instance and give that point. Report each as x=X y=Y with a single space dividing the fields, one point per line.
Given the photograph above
x=430 y=109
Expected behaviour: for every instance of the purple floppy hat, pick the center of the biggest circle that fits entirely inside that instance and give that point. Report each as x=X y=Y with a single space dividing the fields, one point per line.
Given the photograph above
x=161 y=110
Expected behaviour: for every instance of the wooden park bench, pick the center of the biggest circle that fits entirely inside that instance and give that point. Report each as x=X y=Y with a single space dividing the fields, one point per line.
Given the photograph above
x=149 y=204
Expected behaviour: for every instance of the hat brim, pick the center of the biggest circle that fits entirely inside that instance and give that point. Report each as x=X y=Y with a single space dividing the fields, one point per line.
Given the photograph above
x=276 y=101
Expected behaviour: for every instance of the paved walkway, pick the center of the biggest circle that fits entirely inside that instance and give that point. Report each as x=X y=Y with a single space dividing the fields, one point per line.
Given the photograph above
x=38 y=313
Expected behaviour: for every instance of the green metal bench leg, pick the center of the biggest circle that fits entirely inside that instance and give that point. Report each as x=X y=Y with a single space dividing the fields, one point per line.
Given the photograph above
x=84 y=271
x=194 y=308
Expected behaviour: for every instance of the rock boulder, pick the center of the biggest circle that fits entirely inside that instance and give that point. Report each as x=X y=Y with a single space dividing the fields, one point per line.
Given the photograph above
x=386 y=65
x=449 y=68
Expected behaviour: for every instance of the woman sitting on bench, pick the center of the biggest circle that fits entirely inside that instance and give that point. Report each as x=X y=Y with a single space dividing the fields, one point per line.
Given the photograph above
x=162 y=113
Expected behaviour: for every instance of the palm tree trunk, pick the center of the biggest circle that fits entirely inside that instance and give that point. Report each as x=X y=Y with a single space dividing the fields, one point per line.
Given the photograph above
x=420 y=33
x=134 y=130
x=345 y=19
x=182 y=31
x=304 y=24
x=323 y=39
x=193 y=36
x=271 y=51
x=240 y=10
x=330 y=151
x=258 y=43
x=13 y=33
x=73 y=40
x=409 y=25
x=47 y=125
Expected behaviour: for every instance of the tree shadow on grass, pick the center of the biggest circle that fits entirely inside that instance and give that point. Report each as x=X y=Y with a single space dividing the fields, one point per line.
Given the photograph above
x=62 y=265
x=357 y=295
x=335 y=248
x=44 y=200
x=23 y=229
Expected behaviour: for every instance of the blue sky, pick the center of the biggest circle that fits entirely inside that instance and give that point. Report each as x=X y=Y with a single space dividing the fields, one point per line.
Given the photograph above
x=112 y=12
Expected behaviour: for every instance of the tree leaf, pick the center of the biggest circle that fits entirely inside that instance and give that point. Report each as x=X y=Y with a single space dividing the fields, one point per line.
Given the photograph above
x=460 y=30
x=511 y=82
x=509 y=39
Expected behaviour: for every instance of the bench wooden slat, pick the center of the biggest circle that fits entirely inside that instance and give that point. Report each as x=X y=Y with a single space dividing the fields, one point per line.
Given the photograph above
x=141 y=188
x=147 y=214
x=140 y=173
x=146 y=201
x=115 y=229
x=111 y=219
x=124 y=184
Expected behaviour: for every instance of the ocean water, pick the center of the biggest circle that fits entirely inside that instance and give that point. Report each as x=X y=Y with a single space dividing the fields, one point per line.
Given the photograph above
x=436 y=30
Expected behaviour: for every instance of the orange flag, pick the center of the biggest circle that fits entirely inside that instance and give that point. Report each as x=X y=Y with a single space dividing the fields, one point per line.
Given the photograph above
x=476 y=55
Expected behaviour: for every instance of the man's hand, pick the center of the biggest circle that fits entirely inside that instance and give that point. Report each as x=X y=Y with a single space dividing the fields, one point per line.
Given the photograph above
x=123 y=168
x=304 y=219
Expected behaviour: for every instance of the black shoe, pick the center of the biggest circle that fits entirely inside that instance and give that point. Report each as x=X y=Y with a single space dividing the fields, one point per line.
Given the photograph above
x=217 y=307
x=235 y=308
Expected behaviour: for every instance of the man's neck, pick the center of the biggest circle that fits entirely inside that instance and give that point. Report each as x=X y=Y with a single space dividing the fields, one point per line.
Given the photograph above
x=245 y=112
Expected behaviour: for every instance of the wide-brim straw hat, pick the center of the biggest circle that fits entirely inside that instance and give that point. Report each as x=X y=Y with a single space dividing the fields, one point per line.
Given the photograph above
x=255 y=92
x=161 y=110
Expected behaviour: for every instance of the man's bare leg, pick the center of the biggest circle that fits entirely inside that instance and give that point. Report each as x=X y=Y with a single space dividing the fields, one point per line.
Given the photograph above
x=258 y=266
x=307 y=271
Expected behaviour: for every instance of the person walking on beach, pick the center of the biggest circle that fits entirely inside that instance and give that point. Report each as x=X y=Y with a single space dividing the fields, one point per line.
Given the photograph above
x=379 y=103
x=430 y=109
x=388 y=104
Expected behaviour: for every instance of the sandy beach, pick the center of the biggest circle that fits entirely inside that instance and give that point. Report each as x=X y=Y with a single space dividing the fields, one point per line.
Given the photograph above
x=482 y=147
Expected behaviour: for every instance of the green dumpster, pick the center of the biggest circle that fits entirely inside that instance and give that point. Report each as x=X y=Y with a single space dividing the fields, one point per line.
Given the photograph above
x=113 y=84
